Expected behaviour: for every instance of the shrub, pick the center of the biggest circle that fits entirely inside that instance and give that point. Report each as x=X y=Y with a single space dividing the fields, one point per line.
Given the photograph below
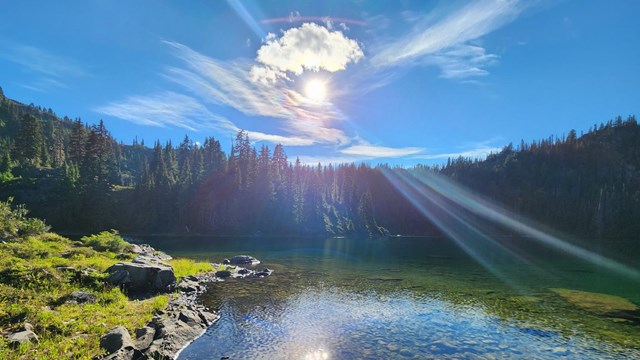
x=14 y=223
x=106 y=241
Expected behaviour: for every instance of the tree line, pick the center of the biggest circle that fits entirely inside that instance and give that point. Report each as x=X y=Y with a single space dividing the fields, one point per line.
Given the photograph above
x=79 y=178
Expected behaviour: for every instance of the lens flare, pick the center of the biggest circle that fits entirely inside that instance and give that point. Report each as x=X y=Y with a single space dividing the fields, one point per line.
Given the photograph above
x=458 y=212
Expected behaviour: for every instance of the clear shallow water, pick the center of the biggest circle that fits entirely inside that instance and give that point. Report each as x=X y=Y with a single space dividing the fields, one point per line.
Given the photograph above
x=411 y=298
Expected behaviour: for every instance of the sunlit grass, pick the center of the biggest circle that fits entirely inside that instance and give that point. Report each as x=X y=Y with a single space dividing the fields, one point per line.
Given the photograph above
x=33 y=279
x=183 y=267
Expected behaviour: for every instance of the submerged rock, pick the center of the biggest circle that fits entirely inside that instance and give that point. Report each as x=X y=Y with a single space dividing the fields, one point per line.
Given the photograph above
x=596 y=302
x=223 y=273
x=237 y=272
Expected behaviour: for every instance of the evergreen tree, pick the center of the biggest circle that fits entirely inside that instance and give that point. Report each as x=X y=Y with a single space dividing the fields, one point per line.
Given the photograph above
x=29 y=142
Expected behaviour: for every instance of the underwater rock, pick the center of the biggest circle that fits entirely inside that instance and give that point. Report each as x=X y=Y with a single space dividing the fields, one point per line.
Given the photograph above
x=236 y=272
x=223 y=273
x=596 y=302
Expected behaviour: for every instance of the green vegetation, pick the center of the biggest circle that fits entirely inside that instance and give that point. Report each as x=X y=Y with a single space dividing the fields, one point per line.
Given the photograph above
x=106 y=241
x=38 y=269
x=183 y=267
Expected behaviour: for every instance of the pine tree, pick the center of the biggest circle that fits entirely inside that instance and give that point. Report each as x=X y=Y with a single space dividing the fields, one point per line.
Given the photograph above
x=77 y=142
x=29 y=141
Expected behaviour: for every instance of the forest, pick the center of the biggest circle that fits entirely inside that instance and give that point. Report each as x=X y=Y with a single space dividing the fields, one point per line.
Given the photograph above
x=80 y=179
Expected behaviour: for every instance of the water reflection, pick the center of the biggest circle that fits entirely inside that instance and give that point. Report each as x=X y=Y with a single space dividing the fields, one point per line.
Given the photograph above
x=325 y=323
x=406 y=298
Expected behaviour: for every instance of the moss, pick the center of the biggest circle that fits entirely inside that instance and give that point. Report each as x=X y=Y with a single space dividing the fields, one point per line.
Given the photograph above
x=596 y=302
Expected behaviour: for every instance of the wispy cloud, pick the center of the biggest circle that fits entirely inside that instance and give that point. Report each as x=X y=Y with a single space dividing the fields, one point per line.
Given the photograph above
x=49 y=70
x=445 y=42
x=463 y=61
x=480 y=152
x=326 y=160
x=368 y=150
x=228 y=83
x=170 y=109
x=162 y=110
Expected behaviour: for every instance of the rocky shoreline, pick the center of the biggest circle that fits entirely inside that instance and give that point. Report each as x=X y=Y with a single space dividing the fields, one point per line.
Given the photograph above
x=183 y=320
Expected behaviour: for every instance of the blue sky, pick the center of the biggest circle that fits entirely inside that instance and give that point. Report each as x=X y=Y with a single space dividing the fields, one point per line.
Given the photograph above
x=405 y=82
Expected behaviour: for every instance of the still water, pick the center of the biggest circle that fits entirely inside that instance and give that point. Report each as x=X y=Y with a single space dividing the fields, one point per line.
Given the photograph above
x=410 y=298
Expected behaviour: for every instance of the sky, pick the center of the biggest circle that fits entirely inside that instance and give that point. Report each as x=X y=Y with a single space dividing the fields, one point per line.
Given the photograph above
x=397 y=82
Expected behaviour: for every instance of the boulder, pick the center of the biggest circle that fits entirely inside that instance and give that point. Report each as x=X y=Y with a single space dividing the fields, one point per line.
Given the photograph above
x=80 y=297
x=223 y=273
x=115 y=340
x=244 y=260
x=22 y=337
x=264 y=273
x=143 y=274
x=144 y=337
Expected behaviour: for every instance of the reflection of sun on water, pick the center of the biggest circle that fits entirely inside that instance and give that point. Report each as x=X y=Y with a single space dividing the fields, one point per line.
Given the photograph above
x=315 y=90
x=317 y=355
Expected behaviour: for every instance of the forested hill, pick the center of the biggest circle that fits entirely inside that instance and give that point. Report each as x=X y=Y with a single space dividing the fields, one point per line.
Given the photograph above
x=79 y=179
x=585 y=185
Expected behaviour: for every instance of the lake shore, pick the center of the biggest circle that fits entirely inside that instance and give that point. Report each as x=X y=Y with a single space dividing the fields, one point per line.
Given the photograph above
x=56 y=300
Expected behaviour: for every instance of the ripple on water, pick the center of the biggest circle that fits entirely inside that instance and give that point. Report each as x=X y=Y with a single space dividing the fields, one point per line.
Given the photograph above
x=333 y=324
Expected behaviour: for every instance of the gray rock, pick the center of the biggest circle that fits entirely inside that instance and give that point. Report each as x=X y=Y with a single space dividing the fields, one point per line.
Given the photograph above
x=171 y=336
x=223 y=273
x=116 y=339
x=264 y=273
x=81 y=297
x=119 y=277
x=189 y=317
x=226 y=261
x=128 y=353
x=244 y=260
x=144 y=337
x=22 y=337
x=144 y=274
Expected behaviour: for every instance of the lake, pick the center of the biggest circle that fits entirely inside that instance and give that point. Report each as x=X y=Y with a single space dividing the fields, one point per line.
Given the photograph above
x=411 y=298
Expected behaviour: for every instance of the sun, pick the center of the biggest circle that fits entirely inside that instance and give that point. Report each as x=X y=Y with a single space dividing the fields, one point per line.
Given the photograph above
x=315 y=90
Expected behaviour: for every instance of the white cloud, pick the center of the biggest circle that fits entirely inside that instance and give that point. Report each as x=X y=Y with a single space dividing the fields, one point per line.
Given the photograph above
x=308 y=47
x=228 y=83
x=177 y=110
x=444 y=42
x=463 y=61
x=164 y=109
x=480 y=152
x=380 y=151
x=335 y=160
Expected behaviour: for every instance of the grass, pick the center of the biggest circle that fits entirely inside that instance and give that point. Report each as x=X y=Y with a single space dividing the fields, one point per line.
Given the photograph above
x=35 y=274
x=183 y=267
